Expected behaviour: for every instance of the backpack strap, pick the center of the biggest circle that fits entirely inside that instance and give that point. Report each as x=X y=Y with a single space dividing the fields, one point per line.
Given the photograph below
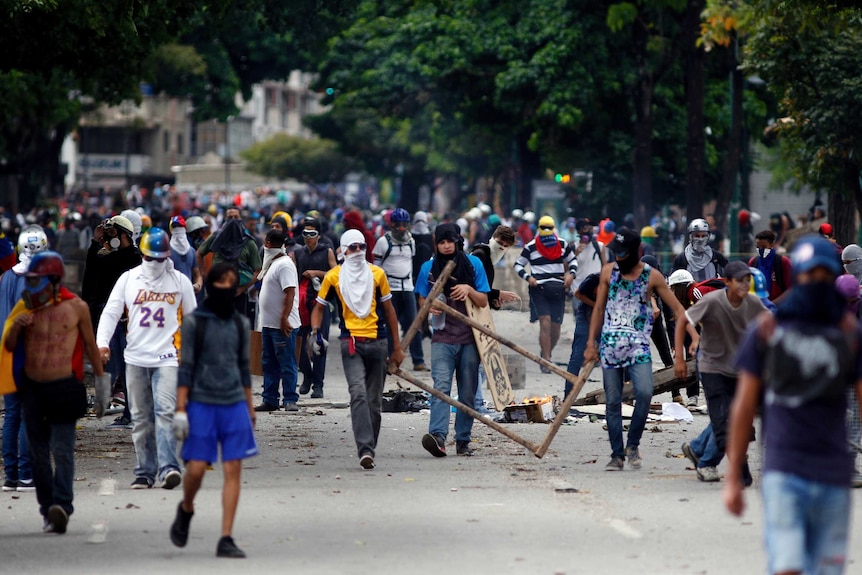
x=598 y=251
x=388 y=237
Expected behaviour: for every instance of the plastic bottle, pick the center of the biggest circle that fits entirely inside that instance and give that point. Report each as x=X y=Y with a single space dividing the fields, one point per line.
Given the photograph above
x=439 y=321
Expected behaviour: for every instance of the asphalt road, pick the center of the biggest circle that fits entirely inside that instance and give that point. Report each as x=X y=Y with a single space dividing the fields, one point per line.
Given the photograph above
x=307 y=507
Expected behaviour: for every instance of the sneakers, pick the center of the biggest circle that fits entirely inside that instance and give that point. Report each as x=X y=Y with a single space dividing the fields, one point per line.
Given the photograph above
x=678 y=399
x=708 y=474
x=10 y=485
x=56 y=520
x=142 y=483
x=172 y=479
x=227 y=548
x=120 y=423
x=434 y=444
x=633 y=454
x=420 y=367
x=693 y=401
x=266 y=407
x=180 y=526
x=690 y=454
x=857 y=480
x=317 y=394
x=463 y=448
x=26 y=486
x=615 y=464
x=366 y=461
x=119 y=398
x=305 y=387
x=291 y=407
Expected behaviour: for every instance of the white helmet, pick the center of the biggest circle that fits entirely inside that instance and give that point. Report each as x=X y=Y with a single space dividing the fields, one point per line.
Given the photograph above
x=518 y=213
x=680 y=277
x=473 y=214
x=32 y=240
x=484 y=208
x=530 y=217
x=698 y=225
x=135 y=218
x=195 y=223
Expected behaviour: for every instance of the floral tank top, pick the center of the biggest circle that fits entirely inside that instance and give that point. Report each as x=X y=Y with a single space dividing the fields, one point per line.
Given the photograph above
x=628 y=321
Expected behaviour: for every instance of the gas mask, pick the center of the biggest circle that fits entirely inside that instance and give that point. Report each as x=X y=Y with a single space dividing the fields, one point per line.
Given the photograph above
x=38 y=293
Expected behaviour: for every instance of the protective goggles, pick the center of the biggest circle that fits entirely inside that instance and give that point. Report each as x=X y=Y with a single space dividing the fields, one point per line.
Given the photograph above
x=355 y=247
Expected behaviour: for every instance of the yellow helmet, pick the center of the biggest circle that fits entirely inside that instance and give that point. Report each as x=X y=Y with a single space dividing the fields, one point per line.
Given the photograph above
x=648 y=232
x=283 y=215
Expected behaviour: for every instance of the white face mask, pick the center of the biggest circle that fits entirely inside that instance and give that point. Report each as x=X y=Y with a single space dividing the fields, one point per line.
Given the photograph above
x=497 y=251
x=270 y=254
x=153 y=270
x=699 y=244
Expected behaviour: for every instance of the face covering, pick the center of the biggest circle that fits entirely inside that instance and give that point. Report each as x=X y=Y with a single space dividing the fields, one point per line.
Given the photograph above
x=180 y=241
x=221 y=300
x=153 y=271
x=627 y=264
x=269 y=254
x=497 y=251
x=355 y=281
x=764 y=252
x=854 y=268
x=699 y=244
x=817 y=302
x=401 y=235
x=38 y=296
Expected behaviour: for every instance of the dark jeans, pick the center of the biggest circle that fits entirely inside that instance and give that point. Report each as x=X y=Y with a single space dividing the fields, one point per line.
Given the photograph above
x=719 y=390
x=365 y=372
x=53 y=486
x=16 y=456
x=579 y=341
x=693 y=388
x=404 y=303
x=314 y=368
x=117 y=365
x=659 y=338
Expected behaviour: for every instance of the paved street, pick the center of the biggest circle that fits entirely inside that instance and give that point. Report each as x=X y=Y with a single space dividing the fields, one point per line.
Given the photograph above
x=307 y=507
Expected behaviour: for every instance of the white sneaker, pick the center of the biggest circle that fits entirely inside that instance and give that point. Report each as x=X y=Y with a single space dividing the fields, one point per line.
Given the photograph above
x=693 y=401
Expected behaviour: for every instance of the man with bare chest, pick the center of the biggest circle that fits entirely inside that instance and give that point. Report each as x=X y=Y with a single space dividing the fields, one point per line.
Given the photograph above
x=44 y=340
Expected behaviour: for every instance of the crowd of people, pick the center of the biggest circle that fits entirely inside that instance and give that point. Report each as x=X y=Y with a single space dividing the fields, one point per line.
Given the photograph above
x=174 y=292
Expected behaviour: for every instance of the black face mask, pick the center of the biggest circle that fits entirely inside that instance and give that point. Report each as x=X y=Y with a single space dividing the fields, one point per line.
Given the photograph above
x=221 y=300
x=627 y=264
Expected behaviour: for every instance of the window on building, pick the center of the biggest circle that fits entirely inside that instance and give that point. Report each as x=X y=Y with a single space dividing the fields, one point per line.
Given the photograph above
x=166 y=144
x=180 y=143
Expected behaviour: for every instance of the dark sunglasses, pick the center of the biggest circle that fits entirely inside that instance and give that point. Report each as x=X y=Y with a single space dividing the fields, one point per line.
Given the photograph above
x=310 y=233
x=356 y=247
x=546 y=227
x=152 y=259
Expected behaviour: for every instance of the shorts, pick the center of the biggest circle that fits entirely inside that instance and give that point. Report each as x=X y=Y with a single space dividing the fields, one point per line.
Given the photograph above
x=548 y=299
x=214 y=425
x=807 y=524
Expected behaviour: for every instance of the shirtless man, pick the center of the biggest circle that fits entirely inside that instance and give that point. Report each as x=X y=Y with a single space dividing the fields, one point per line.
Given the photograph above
x=45 y=329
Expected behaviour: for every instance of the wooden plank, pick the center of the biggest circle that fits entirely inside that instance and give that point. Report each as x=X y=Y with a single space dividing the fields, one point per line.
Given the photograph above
x=664 y=380
x=491 y=354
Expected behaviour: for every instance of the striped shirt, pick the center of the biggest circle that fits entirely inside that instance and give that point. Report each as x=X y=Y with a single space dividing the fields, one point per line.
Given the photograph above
x=543 y=269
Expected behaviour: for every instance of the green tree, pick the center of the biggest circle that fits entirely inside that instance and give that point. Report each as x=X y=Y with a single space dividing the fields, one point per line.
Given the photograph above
x=283 y=157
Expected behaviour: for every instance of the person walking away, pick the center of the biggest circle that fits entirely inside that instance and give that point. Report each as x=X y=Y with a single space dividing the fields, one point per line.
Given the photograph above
x=214 y=404
x=394 y=252
x=182 y=254
x=156 y=298
x=279 y=322
x=313 y=260
x=774 y=266
x=16 y=451
x=552 y=270
x=364 y=292
x=453 y=347
x=48 y=332
x=797 y=366
x=624 y=317
x=723 y=316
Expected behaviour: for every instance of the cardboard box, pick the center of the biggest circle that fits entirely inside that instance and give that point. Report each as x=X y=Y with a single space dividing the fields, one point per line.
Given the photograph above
x=530 y=412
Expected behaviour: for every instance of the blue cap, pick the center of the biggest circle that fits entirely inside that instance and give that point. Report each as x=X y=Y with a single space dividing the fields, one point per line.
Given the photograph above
x=813 y=252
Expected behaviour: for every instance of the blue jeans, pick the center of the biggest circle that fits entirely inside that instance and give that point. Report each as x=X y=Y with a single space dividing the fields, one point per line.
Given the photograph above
x=314 y=368
x=579 y=341
x=462 y=361
x=404 y=303
x=806 y=524
x=365 y=372
x=704 y=447
x=279 y=365
x=53 y=485
x=153 y=391
x=16 y=456
x=641 y=376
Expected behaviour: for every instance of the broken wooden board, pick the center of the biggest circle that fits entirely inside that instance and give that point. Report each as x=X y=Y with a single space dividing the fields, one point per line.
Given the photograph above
x=664 y=380
x=491 y=353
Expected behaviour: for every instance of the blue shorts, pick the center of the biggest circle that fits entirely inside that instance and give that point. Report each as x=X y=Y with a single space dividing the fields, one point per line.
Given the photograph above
x=807 y=524
x=548 y=299
x=214 y=425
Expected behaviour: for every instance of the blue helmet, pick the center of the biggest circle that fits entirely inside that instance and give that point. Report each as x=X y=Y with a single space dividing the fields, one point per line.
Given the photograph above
x=399 y=215
x=155 y=243
x=758 y=283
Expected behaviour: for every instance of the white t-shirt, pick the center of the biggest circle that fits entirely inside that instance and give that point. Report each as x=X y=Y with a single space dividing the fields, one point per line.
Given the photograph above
x=398 y=265
x=589 y=262
x=280 y=276
x=155 y=310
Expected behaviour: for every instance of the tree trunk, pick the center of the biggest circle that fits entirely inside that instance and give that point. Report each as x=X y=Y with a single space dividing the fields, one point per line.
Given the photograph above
x=844 y=205
x=694 y=94
x=730 y=167
x=642 y=204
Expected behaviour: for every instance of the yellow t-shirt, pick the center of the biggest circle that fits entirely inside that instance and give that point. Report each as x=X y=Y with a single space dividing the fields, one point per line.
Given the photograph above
x=358 y=327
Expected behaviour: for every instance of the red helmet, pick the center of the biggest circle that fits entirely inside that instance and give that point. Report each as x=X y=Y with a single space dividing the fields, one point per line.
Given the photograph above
x=46 y=264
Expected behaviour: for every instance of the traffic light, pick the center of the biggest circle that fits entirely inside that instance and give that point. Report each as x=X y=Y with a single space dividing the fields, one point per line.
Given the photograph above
x=562 y=178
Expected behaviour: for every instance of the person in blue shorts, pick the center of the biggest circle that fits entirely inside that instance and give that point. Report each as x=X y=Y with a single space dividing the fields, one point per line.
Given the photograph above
x=214 y=404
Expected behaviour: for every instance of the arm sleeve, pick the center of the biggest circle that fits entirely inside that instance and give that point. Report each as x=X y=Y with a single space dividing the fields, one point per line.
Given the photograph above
x=254 y=261
x=190 y=301
x=112 y=312
x=698 y=311
x=205 y=247
x=324 y=288
x=187 y=352
x=522 y=262
x=422 y=287
x=571 y=259
x=383 y=284
x=88 y=284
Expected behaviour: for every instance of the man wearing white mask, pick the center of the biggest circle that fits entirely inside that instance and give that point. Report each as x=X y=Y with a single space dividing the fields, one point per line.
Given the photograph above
x=156 y=298
x=703 y=262
x=362 y=289
x=182 y=255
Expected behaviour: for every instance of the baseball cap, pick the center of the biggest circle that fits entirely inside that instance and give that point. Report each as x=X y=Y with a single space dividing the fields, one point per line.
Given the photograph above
x=825 y=230
x=812 y=252
x=625 y=242
x=736 y=270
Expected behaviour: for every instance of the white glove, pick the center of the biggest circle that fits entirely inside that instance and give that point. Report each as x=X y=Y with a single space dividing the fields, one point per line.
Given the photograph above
x=317 y=343
x=180 y=425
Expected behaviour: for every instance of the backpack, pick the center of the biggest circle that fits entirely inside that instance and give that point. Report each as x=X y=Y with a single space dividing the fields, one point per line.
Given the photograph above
x=388 y=237
x=700 y=289
x=778 y=272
